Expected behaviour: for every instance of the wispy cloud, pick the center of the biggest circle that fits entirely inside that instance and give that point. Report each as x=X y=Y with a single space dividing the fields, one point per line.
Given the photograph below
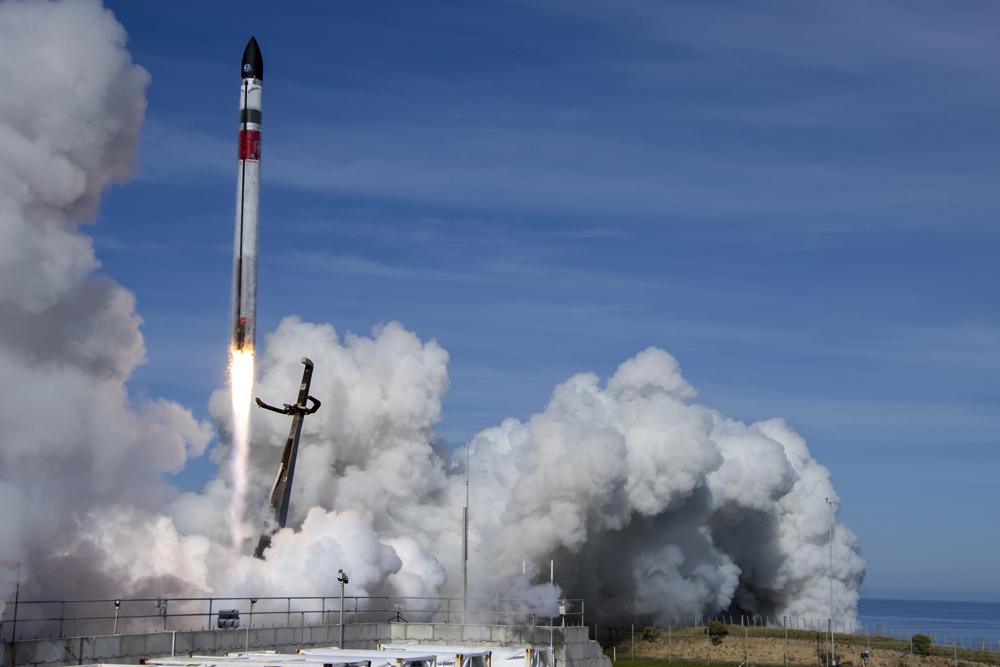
x=873 y=422
x=324 y=262
x=761 y=118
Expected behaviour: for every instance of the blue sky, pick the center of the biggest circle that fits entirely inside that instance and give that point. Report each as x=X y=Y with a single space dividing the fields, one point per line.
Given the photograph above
x=797 y=200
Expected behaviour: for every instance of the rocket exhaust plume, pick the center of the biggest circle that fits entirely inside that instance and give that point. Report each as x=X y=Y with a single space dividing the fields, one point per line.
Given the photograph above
x=241 y=365
x=244 y=326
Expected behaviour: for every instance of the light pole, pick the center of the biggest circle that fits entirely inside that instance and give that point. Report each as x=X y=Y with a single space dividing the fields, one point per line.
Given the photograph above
x=833 y=648
x=465 y=536
x=342 y=578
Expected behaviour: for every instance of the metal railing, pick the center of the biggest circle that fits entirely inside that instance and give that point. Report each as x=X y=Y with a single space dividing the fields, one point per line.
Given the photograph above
x=38 y=619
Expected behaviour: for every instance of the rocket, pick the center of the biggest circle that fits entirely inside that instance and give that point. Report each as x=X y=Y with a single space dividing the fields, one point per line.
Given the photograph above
x=247 y=202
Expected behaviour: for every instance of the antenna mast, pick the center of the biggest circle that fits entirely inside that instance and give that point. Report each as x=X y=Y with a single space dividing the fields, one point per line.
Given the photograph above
x=465 y=537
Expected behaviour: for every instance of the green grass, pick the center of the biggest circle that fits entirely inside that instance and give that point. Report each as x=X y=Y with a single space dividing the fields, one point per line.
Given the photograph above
x=884 y=643
x=876 y=643
x=658 y=662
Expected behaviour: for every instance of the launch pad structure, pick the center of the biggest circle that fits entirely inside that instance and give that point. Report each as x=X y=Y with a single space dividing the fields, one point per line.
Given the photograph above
x=281 y=491
x=54 y=633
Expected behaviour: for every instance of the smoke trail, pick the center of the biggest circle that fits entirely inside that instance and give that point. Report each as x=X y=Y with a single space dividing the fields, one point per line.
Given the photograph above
x=241 y=364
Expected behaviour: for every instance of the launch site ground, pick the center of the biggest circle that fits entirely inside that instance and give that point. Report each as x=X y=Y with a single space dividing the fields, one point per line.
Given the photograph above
x=767 y=646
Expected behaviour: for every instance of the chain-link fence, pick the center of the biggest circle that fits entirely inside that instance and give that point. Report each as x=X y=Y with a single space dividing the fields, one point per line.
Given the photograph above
x=734 y=639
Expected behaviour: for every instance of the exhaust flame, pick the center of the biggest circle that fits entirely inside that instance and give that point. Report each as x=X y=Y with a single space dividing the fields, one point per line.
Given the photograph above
x=241 y=363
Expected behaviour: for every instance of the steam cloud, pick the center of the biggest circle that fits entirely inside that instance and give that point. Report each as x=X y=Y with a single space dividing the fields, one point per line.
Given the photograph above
x=652 y=505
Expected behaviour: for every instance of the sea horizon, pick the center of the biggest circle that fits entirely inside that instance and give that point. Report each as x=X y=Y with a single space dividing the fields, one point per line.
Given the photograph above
x=965 y=622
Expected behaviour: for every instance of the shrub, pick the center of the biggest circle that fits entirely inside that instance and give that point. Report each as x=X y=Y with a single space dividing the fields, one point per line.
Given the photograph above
x=650 y=634
x=921 y=644
x=716 y=631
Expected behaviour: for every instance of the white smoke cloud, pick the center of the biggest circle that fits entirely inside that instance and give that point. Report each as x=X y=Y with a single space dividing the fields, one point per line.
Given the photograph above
x=675 y=508
x=652 y=505
x=74 y=439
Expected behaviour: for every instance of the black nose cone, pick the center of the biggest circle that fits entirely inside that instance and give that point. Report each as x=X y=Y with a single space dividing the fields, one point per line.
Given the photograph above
x=253 y=62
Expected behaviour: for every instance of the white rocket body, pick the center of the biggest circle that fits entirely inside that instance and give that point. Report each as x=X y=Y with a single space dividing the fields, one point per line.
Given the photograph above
x=247 y=203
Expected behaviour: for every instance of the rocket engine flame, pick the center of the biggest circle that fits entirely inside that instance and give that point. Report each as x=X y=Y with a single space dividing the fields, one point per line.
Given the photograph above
x=241 y=376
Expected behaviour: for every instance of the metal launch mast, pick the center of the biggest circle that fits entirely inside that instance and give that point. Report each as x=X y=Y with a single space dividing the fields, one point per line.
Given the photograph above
x=281 y=492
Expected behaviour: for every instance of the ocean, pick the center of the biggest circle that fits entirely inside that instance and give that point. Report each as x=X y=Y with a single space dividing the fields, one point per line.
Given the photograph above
x=969 y=623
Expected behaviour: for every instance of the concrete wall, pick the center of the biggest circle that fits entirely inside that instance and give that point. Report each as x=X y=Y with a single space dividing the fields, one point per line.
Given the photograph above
x=132 y=648
x=571 y=645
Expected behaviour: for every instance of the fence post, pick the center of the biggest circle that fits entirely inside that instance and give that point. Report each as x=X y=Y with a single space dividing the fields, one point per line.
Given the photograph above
x=708 y=645
x=670 y=642
x=209 y=622
x=746 y=645
x=784 y=624
x=633 y=641
x=288 y=613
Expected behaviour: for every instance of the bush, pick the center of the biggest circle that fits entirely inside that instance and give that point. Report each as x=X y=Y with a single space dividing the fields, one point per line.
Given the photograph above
x=921 y=644
x=650 y=634
x=716 y=631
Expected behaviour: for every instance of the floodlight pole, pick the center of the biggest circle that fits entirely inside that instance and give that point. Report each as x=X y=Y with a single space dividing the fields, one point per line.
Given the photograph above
x=342 y=578
x=833 y=647
x=465 y=538
x=552 y=583
x=17 y=599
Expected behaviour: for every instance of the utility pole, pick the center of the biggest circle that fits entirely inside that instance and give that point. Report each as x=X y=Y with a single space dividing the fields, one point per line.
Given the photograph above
x=552 y=582
x=833 y=648
x=465 y=536
x=17 y=599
